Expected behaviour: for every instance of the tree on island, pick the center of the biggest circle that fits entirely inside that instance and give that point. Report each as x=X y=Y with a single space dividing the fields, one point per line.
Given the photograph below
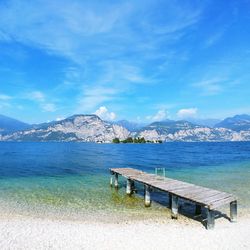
x=139 y=140
x=128 y=140
x=116 y=140
x=135 y=140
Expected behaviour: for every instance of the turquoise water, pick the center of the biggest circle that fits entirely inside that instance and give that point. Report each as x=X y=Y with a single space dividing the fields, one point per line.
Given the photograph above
x=71 y=180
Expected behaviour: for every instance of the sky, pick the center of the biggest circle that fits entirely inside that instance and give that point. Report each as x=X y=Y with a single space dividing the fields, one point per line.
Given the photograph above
x=137 y=60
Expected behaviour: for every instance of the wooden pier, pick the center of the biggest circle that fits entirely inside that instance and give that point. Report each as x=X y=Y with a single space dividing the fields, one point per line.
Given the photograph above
x=208 y=198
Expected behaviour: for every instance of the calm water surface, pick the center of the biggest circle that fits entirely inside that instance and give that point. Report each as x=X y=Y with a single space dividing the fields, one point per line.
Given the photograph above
x=71 y=180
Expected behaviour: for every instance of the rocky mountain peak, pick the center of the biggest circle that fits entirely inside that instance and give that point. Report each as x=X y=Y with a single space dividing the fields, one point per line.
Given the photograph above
x=88 y=128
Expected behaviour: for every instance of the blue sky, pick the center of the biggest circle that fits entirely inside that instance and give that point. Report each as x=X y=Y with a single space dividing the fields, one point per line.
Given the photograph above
x=139 y=60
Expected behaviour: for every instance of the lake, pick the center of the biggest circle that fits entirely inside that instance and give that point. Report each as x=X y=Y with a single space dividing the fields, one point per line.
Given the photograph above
x=71 y=180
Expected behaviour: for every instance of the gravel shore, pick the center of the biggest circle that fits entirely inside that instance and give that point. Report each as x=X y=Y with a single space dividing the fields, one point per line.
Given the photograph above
x=35 y=233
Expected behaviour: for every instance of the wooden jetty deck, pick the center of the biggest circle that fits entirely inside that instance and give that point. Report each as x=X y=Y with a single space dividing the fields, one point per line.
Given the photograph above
x=208 y=198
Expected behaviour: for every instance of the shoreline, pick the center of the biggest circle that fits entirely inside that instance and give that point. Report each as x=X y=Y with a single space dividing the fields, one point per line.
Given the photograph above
x=118 y=213
x=42 y=233
x=156 y=213
x=115 y=217
x=129 y=229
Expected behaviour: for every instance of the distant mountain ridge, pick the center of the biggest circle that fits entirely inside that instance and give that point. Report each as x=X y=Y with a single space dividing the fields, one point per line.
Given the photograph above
x=236 y=123
x=170 y=126
x=10 y=125
x=204 y=122
x=91 y=128
x=236 y=128
x=86 y=128
x=131 y=126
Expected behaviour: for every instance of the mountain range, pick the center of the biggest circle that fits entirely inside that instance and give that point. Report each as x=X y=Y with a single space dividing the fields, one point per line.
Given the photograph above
x=236 y=123
x=91 y=128
x=10 y=125
x=131 y=126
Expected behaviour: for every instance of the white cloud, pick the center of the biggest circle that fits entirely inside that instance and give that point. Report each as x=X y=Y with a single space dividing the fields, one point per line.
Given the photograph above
x=90 y=34
x=176 y=24
x=96 y=96
x=187 y=113
x=103 y=113
x=161 y=114
x=211 y=86
x=36 y=96
x=48 y=107
x=213 y=39
x=122 y=71
x=72 y=26
x=4 y=105
x=4 y=97
x=20 y=107
x=69 y=28
x=4 y=101
x=40 y=98
x=60 y=118
x=114 y=79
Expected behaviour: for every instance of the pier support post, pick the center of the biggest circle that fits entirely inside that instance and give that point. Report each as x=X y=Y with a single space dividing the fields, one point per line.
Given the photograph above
x=233 y=211
x=133 y=187
x=111 y=180
x=129 y=187
x=210 y=219
x=147 y=199
x=116 y=180
x=174 y=207
x=170 y=200
x=197 y=209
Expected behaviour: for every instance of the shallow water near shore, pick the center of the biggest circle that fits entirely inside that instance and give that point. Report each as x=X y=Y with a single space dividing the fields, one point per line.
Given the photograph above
x=71 y=180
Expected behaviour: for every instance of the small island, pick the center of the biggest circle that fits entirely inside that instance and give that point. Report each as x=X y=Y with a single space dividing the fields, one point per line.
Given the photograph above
x=135 y=140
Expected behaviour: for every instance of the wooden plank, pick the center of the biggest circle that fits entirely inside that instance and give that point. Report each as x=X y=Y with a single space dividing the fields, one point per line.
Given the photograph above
x=207 y=197
x=220 y=203
x=191 y=192
x=156 y=182
x=217 y=197
x=203 y=194
x=169 y=186
x=196 y=196
x=183 y=186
